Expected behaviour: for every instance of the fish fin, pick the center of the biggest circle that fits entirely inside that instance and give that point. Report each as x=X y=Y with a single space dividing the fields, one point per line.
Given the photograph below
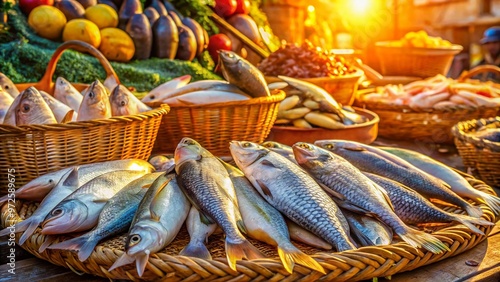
x=46 y=243
x=198 y=250
x=384 y=193
x=140 y=263
x=241 y=226
x=332 y=193
x=205 y=219
x=473 y=211
x=417 y=238
x=146 y=186
x=265 y=189
x=236 y=252
x=291 y=254
x=154 y=203
x=470 y=221
x=268 y=163
x=68 y=117
x=491 y=201
x=31 y=226
x=124 y=259
x=72 y=179
x=84 y=245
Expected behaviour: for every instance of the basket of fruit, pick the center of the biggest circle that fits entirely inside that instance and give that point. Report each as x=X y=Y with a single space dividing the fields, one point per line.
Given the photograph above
x=426 y=110
x=325 y=69
x=478 y=143
x=416 y=54
x=50 y=125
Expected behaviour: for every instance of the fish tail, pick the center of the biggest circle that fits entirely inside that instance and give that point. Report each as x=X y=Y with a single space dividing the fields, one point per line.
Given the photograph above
x=491 y=201
x=140 y=263
x=470 y=221
x=46 y=243
x=124 y=259
x=418 y=238
x=28 y=226
x=237 y=251
x=83 y=244
x=290 y=254
x=198 y=250
x=474 y=211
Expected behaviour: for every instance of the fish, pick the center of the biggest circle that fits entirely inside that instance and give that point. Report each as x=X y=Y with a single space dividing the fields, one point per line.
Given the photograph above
x=199 y=232
x=457 y=183
x=306 y=204
x=302 y=235
x=413 y=208
x=491 y=134
x=80 y=210
x=10 y=115
x=5 y=101
x=95 y=103
x=282 y=149
x=368 y=230
x=159 y=93
x=311 y=91
x=67 y=93
x=370 y=159
x=61 y=111
x=266 y=224
x=243 y=74
x=355 y=192
x=217 y=85
x=8 y=86
x=205 y=97
x=38 y=188
x=32 y=109
x=162 y=163
x=123 y=102
x=154 y=226
x=208 y=186
x=115 y=217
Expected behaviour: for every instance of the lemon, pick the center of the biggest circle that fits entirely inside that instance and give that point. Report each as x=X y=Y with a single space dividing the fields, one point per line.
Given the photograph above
x=84 y=30
x=116 y=44
x=47 y=21
x=102 y=15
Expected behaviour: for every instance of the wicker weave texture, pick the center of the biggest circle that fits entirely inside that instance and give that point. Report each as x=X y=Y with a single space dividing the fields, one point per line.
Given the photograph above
x=34 y=150
x=355 y=265
x=214 y=126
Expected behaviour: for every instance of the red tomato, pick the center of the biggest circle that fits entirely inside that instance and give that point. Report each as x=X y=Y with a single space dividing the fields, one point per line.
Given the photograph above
x=243 y=7
x=28 y=5
x=225 y=8
x=218 y=42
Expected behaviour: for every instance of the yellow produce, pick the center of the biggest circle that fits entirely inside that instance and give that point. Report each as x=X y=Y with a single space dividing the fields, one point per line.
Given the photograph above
x=421 y=39
x=84 y=30
x=102 y=15
x=116 y=45
x=47 y=21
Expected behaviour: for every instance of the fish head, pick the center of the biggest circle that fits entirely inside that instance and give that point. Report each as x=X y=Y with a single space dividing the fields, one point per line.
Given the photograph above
x=96 y=100
x=39 y=184
x=120 y=101
x=230 y=62
x=329 y=145
x=8 y=86
x=143 y=239
x=67 y=216
x=189 y=149
x=158 y=161
x=155 y=94
x=279 y=148
x=5 y=98
x=62 y=84
x=309 y=155
x=32 y=109
x=246 y=153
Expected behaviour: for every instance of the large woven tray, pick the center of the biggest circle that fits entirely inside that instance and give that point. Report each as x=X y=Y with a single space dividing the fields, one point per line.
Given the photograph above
x=355 y=265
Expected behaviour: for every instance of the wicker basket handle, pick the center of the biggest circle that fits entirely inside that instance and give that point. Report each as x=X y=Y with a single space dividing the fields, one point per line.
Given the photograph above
x=477 y=70
x=46 y=82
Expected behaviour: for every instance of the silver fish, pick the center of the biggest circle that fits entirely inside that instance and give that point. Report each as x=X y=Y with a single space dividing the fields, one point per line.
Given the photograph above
x=205 y=97
x=62 y=112
x=8 y=86
x=243 y=74
x=354 y=191
x=199 y=232
x=374 y=160
x=265 y=223
x=95 y=103
x=5 y=101
x=114 y=218
x=299 y=234
x=207 y=184
x=413 y=208
x=123 y=102
x=33 y=109
x=289 y=189
x=67 y=93
x=282 y=149
x=157 y=221
x=368 y=230
x=217 y=85
x=457 y=183
x=162 y=91
x=491 y=134
x=80 y=210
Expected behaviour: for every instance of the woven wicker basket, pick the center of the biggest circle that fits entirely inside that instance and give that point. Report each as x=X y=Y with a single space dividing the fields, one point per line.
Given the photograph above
x=420 y=62
x=483 y=156
x=167 y=265
x=215 y=125
x=33 y=150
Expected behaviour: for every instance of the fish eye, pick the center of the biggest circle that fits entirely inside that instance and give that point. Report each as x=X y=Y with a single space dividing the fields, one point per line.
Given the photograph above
x=152 y=97
x=50 y=180
x=134 y=239
x=57 y=212
x=6 y=87
x=91 y=94
x=26 y=108
x=329 y=146
x=122 y=103
x=247 y=145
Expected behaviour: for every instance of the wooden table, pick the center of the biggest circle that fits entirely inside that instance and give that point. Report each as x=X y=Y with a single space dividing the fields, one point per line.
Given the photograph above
x=486 y=254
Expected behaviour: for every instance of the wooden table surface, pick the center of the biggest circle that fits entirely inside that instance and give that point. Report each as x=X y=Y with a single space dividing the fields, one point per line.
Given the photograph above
x=486 y=254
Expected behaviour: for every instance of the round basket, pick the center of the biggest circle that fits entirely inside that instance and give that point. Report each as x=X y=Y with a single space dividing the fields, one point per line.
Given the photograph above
x=420 y=62
x=215 y=125
x=29 y=151
x=355 y=265
x=483 y=156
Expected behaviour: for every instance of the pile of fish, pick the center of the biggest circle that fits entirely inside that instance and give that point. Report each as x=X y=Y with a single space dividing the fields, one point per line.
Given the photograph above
x=243 y=82
x=439 y=93
x=32 y=106
x=332 y=195
x=490 y=132
x=308 y=105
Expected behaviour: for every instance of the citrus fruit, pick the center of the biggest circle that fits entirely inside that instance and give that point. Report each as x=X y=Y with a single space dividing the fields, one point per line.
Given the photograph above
x=47 y=21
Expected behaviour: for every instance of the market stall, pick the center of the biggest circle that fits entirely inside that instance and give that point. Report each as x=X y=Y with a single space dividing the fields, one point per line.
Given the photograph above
x=184 y=140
